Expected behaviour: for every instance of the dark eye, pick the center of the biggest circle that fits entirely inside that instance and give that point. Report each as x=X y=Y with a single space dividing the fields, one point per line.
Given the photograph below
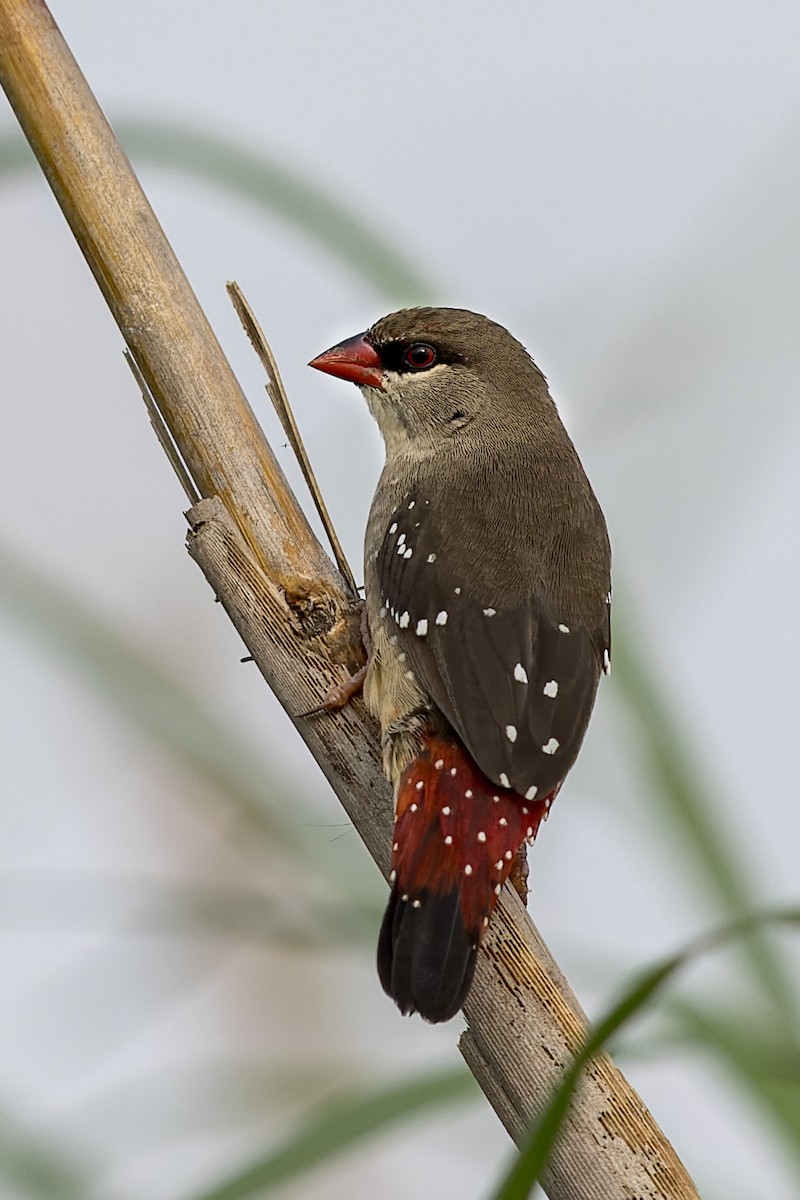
x=419 y=356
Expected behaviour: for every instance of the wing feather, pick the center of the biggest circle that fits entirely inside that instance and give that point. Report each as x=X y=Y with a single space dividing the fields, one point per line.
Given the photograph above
x=516 y=683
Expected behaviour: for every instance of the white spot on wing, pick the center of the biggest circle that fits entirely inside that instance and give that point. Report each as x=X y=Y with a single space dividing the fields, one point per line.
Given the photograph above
x=446 y=810
x=563 y=628
x=439 y=764
x=408 y=553
x=448 y=841
x=404 y=620
x=489 y=612
x=457 y=591
x=531 y=793
x=606 y=662
x=551 y=746
x=481 y=836
x=441 y=618
x=431 y=558
x=422 y=627
x=551 y=689
x=420 y=785
x=393 y=527
x=467 y=869
x=511 y=732
x=411 y=503
x=520 y=674
x=504 y=779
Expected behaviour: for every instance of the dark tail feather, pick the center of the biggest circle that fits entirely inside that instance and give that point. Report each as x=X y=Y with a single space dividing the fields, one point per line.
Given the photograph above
x=426 y=958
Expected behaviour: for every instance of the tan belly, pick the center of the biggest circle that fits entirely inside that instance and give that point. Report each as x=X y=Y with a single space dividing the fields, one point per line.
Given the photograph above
x=394 y=697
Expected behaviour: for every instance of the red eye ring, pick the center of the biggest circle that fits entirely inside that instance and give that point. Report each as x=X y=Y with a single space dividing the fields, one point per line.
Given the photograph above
x=420 y=356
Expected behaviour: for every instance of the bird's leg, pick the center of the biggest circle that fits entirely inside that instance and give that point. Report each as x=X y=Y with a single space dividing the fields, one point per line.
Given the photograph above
x=518 y=876
x=519 y=867
x=340 y=695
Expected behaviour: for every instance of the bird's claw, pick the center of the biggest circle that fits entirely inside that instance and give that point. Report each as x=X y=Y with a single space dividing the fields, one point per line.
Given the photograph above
x=337 y=697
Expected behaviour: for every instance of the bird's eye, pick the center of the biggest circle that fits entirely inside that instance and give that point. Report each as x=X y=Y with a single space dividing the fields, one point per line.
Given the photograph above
x=420 y=356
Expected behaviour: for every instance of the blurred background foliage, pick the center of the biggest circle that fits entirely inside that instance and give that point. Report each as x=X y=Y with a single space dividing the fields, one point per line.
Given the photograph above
x=188 y=921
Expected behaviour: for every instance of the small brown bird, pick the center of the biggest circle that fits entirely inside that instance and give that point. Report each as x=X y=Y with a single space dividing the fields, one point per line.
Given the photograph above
x=487 y=578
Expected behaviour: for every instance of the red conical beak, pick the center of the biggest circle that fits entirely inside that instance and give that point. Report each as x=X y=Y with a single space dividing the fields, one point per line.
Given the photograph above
x=354 y=360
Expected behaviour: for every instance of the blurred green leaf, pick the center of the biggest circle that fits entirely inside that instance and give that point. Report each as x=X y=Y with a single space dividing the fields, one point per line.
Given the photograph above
x=767 y=1070
x=743 y=1045
x=147 y=694
x=219 y=1094
x=32 y=1167
x=673 y=769
x=342 y=1123
x=152 y=906
x=268 y=183
x=527 y=1169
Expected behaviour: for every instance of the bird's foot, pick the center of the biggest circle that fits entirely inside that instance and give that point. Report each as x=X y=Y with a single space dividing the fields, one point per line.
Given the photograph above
x=339 y=696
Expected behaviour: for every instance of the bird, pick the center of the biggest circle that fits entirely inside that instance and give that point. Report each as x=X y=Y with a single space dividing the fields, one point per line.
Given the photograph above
x=487 y=580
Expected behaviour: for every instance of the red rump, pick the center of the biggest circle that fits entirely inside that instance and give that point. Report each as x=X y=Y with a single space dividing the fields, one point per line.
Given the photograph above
x=455 y=838
x=457 y=829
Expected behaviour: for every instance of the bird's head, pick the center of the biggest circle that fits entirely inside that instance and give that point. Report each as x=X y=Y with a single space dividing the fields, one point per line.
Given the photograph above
x=430 y=375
